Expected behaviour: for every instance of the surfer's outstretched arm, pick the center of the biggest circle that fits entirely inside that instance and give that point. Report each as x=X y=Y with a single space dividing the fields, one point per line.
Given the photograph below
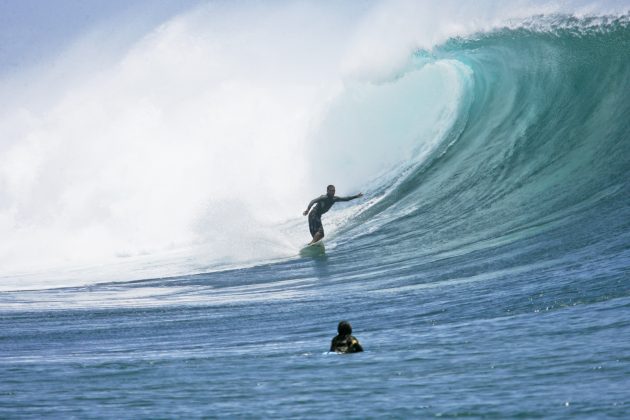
x=352 y=197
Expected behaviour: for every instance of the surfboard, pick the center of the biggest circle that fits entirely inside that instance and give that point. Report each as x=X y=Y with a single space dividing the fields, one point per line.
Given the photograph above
x=313 y=250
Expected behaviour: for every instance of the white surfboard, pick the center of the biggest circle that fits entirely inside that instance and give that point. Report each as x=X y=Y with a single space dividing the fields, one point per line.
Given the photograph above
x=313 y=250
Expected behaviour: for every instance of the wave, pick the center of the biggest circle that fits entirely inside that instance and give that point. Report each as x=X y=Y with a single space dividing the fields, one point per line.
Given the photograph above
x=489 y=138
x=535 y=168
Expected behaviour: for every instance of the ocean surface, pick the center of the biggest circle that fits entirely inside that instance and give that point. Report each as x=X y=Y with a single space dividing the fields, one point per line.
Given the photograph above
x=486 y=274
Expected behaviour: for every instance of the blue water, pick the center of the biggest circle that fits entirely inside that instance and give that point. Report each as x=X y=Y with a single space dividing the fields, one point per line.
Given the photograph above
x=492 y=279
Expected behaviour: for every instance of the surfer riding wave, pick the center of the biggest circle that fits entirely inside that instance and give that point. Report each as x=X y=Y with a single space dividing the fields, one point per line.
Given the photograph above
x=320 y=206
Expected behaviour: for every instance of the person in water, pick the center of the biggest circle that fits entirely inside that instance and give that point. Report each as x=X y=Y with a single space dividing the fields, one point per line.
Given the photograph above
x=320 y=206
x=344 y=342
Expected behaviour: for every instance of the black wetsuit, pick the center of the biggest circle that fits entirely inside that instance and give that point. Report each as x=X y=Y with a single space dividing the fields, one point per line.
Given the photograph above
x=322 y=205
x=345 y=344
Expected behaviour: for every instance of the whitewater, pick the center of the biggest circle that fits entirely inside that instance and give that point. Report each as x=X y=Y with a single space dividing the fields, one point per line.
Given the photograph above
x=151 y=192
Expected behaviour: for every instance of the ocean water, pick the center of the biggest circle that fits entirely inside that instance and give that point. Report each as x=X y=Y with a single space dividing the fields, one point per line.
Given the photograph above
x=486 y=271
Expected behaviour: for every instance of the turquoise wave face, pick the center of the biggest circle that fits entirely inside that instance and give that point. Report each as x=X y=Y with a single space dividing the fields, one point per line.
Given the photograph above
x=538 y=158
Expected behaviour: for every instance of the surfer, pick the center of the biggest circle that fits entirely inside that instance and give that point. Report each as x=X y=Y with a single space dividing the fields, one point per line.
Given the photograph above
x=320 y=206
x=344 y=342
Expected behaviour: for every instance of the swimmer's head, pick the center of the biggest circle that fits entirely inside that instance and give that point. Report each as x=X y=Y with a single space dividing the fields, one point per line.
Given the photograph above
x=330 y=190
x=344 y=328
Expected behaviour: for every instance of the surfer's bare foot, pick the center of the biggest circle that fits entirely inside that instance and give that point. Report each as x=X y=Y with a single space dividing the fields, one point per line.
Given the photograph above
x=316 y=238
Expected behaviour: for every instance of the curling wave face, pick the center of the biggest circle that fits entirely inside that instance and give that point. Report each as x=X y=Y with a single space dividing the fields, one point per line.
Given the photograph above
x=510 y=141
x=535 y=169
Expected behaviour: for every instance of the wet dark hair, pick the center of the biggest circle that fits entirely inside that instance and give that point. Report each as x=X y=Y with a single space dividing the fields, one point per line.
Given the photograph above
x=344 y=328
x=329 y=187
